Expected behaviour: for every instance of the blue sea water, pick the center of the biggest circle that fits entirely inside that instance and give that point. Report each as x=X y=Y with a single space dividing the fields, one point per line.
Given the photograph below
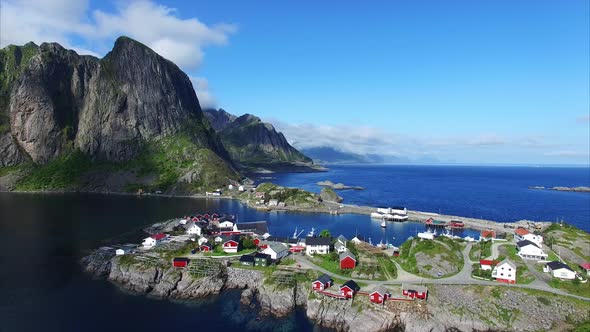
x=499 y=193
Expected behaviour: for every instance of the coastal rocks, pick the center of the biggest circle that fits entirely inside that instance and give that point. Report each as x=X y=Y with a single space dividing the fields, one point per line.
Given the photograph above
x=328 y=195
x=188 y=287
x=337 y=186
x=240 y=278
x=10 y=154
x=581 y=189
x=343 y=316
x=275 y=300
x=98 y=263
x=138 y=278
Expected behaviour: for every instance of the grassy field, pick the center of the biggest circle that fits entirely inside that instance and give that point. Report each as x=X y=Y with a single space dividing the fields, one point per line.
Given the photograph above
x=432 y=249
x=570 y=237
x=572 y=287
x=480 y=250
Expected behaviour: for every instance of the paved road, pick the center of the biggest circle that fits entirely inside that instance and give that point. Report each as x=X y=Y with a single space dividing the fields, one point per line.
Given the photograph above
x=462 y=278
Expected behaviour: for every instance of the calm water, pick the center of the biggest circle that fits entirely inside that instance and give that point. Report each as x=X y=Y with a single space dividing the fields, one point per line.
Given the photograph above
x=496 y=193
x=42 y=285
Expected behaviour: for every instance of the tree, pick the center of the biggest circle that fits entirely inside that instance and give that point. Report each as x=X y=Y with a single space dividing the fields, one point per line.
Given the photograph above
x=248 y=243
x=325 y=233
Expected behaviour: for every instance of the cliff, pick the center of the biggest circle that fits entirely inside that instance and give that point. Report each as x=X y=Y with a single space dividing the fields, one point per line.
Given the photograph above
x=252 y=142
x=132 y=110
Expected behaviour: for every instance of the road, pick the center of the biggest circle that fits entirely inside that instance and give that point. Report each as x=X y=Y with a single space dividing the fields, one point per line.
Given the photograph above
x=461 y=278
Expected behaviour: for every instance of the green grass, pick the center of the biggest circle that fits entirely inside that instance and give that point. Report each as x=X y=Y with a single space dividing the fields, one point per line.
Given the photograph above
x=572 y=287
x=291 y=196
x=407 y=258
x=480 y=250
x=222 y=253
x=326 y=263
x=62 y=173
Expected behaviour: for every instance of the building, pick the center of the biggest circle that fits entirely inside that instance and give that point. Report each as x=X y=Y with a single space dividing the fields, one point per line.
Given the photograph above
x=586 y=267
x=194 y=229
x=151 y=241
x=530 y=250
x=487 y=234
x=414 y=291
x=273 y=202
x=230 y=187
x=505 y=271
x=341 y=239
x=202 y=240
x=276 y=250
x=213 y=193
x=349 y=289
x=379 y=294
x=339 y=247
x=247 y=260
x=259 y=194
x=241 y=188
x=261 y=259
x=322 y=283
x=317 y=245
x=259 y=228
x=226 y=224
x=395 y=251
x=347 y=260
x=181 y=262
x=205 y=248
x=521 y=234
x=358 y=239
x=486 y=264
x=121 y=251
x=231 y=244
x=560 y=270
x=182 y=222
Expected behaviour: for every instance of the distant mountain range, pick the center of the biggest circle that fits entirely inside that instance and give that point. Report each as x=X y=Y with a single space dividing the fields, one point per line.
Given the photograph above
x=331 y=155
x=252 y=142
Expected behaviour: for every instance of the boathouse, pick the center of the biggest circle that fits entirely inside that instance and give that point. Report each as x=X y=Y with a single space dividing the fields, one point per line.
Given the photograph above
x=414 y=291
x=349 y=289
x=347 y=260
x=247 y=260
x=181 y=262
x=231 y=244
x=379 y=294
x=322 y=283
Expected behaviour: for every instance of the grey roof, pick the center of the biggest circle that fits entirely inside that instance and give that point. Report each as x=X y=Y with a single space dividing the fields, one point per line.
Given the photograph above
x=277 y=246
x=261 y=255
x=341 y=238
x=346 y=254
x=525 y=243
x=338 y=245
x=509 y=262
x=318 y=241
x=556 y=265
x=247 y=258
x=380 y=289
x=417 y=288
x=225 y=238
x=324 y=279
x=256 y=227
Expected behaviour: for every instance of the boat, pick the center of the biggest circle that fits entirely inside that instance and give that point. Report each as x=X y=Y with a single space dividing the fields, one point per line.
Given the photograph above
x=311 y=233
x=428 y=235
x=383 y=224
x=389 y=216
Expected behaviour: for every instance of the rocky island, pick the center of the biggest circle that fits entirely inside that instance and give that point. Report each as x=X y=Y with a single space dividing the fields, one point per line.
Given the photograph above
x=337 y=186
x=580 y=189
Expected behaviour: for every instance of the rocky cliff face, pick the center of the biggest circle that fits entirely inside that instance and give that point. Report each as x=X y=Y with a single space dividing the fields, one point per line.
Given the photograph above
x=57 y=102
x=251 y=141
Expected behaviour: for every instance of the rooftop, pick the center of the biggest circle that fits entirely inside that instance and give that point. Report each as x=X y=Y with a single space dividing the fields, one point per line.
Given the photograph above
x=556 y=265
x=352 y=285
x=318 y=241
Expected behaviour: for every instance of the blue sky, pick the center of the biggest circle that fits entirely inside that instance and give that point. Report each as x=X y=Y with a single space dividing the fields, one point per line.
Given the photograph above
x=457 y=81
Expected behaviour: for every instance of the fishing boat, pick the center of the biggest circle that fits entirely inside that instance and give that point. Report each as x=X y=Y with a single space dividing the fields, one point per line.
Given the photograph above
x=383 y=224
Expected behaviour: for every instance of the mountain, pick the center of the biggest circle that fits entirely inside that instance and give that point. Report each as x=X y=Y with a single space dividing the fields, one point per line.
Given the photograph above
x=130 y=120
x=331 y=155
x=254 y=143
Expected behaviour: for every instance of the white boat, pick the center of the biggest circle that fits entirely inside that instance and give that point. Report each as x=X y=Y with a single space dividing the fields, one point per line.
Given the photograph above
x=428 y=235
x=311 y=233
x=389 y=216
x=383 y=224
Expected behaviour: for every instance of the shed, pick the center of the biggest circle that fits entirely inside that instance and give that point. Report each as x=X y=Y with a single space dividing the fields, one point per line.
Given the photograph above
x=349 y=289
x=181 y=262
x=347 y=260
x=415 y=291
x=322 y=283
x=379 y=294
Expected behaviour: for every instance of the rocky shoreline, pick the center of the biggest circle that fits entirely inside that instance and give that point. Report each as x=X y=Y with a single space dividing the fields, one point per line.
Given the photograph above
x=449 y=307
x=561 y=188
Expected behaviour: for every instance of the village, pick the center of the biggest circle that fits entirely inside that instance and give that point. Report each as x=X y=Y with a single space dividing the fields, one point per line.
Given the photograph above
x=345 y=269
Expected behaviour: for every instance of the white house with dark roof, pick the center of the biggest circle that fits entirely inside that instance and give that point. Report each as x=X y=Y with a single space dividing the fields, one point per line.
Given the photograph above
x=521 y=234
x=505 y=271
x=560 y=270
x=341 y=239
x=317 y=245
x=339 y=247
x=193 y=229
x=530 y=250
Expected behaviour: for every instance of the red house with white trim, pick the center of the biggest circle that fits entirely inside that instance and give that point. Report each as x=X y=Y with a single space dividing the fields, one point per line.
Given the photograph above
x=181 y=262
x=322 y=283
x=347 y=260
x=205 y=248
x=349 y=289
x=379 y=295
x=231 y=244
x=414 y=291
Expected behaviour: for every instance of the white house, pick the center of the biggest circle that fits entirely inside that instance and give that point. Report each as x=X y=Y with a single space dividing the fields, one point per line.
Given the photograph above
x=218 y=239
x=149 y=242
x=560 y=270
x=241 y=188
x=202 y=240
x=505 y=271
x=521 y=234
x=183 y=221
x=342 y=239
x=230 y=187
x=226 y=224
x=357 y=239
x=339 y=247
x=426 y=235
x=194 y=229
x=486 y=264
x=273 y=202
x=121 y=251
x=276 y=250
x=317 y=245
x=530 y=250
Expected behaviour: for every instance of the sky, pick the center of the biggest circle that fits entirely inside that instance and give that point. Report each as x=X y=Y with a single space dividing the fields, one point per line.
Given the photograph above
x=494 y=82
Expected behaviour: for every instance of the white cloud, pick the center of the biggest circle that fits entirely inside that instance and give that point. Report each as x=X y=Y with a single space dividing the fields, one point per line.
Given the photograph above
x=201 y=86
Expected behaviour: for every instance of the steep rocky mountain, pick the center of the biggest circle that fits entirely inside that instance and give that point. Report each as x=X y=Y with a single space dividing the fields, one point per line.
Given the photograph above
x=132 y=112
x=252 y=142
